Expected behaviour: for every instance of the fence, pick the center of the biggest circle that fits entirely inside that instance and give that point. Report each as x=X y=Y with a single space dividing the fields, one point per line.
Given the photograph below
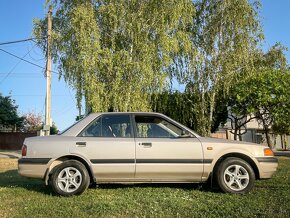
x=13 y=140
x=220 y=135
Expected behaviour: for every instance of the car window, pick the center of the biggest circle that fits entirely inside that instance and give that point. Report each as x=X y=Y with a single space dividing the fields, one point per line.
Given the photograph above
x=156 y=127
x=109 y=126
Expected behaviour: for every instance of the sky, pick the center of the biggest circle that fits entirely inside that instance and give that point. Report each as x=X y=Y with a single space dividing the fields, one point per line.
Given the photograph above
x=26 y=83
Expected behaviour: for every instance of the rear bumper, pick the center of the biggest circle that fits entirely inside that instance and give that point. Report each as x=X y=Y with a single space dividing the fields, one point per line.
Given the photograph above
x=32 y=167
x=267 y=166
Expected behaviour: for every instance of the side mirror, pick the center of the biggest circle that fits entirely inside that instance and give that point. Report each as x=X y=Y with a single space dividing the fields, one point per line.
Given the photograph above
x=184 y=134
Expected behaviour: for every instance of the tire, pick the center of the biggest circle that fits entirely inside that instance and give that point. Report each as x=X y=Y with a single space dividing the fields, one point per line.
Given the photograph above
x=235 y=175
x=69 y=178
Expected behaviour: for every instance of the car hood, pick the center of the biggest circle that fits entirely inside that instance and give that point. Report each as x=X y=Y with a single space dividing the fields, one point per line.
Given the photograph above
x=216 y=141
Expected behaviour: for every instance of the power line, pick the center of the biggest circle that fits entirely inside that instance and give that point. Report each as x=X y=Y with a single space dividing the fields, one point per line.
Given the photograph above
x=13 y=68
x=17 y=41
x=29 y=62
x=38 y=95
x=32 y=42
x=24 y=75
x=21 y=58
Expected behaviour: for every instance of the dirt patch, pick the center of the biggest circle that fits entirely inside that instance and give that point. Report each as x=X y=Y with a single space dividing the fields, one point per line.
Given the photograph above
x=8 y=164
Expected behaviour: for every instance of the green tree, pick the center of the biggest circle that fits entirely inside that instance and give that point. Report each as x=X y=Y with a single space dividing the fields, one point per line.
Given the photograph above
x=176 y=105
x=241 y=109
x=9 y=117
x=179 y=106
x=265 y=95
x=53 y=129
x=223 y=36
x=117 y=53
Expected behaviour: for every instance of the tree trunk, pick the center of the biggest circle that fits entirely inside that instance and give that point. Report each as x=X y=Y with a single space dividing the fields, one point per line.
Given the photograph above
x=236 y=134
x=269 y=142
x=202 y=123
x=282 y=142
x=240 y=135
x=212 y=106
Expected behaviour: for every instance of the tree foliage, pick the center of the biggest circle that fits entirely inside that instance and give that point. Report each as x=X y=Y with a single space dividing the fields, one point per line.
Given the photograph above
x=124 y=55
x=176 y=105
x=53 y=129
x=263 y=95
x=223 y=36
x=9 y=117
x=32 y=122
x=117 y=53
x=179 y=106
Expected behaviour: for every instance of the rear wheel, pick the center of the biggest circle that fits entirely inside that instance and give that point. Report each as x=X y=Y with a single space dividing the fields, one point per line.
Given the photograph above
x=235 y=175
x=70 y=178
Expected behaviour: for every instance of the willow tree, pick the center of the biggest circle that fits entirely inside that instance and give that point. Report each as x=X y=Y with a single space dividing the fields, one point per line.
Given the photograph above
x=224 y=35
x=117 y=53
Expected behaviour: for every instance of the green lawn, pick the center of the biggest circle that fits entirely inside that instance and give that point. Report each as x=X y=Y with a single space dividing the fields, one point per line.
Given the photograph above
x=21 y=197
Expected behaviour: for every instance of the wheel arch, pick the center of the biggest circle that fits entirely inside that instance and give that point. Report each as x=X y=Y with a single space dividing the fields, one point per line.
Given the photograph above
x=241 y=156
x=60 y=160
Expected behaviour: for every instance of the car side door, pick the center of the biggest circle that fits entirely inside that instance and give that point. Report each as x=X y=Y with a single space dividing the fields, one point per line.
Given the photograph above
x=164 y=153
x=108 y=143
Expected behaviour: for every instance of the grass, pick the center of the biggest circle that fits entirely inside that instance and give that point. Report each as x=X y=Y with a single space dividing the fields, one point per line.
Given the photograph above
x=21 y=197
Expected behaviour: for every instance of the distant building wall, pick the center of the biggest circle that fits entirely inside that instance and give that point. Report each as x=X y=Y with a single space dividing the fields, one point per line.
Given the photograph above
x=13 y=140
x=253 y=135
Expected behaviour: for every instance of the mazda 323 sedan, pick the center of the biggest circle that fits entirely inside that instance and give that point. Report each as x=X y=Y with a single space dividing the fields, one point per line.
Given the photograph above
x=141 y=148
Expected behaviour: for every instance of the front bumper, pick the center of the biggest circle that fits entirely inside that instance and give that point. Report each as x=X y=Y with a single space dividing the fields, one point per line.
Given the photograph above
x=267 y=166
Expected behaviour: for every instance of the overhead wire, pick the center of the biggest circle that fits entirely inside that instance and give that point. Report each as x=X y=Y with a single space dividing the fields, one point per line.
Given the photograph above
x=13 y=68
x=36 y=65
x=32 y=42
x=29 y=62
x=18 y=41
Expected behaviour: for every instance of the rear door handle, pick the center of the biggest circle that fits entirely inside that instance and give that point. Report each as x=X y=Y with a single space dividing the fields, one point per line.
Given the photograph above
x=81 y=144
x=146 y=144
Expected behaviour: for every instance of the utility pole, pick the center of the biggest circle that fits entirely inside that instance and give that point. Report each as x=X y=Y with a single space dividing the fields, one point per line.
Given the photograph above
x=47 y=125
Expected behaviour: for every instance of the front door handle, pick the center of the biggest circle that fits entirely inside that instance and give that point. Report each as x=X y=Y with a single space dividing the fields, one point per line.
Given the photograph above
x=81 y=144
x=146 y=144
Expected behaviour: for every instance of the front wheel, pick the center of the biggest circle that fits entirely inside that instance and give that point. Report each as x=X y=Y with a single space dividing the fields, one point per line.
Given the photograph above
x=235 y=175
x=70 y=178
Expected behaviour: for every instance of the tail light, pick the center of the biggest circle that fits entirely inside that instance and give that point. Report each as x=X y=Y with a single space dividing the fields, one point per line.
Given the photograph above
x=268 y=152
x=24 y=150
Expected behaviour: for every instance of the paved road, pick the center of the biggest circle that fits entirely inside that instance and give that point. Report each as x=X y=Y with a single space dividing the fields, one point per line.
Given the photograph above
x=10 y=154
x=282 y=153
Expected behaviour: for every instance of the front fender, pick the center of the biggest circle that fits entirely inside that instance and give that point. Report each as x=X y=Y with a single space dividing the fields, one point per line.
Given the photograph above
x=231 y=152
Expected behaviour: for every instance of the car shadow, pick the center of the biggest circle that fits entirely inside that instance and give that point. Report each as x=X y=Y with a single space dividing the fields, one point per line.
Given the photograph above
x=11 y=179
x=204 y=187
